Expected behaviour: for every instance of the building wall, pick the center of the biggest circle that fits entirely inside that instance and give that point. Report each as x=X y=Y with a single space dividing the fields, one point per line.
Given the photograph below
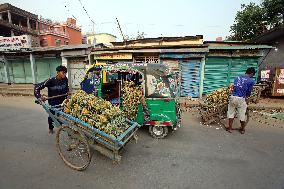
x=51 y=40
x=63 y=32
x=105 y=39
x=101 y=38
x=18 y=25
x=275 y=58
x=75 y=36
x=90 y=39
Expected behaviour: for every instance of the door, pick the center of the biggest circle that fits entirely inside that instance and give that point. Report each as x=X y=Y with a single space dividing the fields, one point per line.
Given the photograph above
x=77 y=73
x=190 y=78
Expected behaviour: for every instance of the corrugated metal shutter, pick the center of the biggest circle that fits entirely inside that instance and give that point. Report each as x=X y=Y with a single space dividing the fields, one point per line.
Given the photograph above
x=2 y=73
x=216 y=73
x=17 y=70
x=42 y=69
x=20 y=71
x=46 y=68
x=190 y=78
x=28 y=71
x=221 y=71
x=54 y=62
x=240 y=65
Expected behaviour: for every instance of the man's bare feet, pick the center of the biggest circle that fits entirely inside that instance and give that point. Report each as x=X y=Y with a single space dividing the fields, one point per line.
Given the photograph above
x=229 y=129
x=242 y=131
x=50 y=131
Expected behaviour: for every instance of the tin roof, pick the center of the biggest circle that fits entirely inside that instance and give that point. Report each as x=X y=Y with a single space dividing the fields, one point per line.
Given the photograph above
x=157 y=39
x=154 y=48
x=240 y=47
x=270 y=35
x=61 y=48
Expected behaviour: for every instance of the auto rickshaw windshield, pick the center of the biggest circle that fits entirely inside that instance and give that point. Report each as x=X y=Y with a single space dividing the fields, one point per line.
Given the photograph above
x=159 y=86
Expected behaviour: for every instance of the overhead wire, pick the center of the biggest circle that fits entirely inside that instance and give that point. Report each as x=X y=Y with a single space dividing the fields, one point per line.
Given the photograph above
x=70 y=13
x=88 y=15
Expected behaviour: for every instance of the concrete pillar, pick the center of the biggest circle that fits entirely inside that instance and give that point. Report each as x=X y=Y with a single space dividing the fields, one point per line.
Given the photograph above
x=37 y=26
x=6 y=70
x=1 y=16
x=12 y=33
x=91 y=59
x=20 y=23
x=33 y=68
x=64 y=63
x=28 y=23
x=68 y=74
x=9 y=17
x=201 y=77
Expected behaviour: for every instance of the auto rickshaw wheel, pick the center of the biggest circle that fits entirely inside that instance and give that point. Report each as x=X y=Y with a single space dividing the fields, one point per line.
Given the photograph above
x=158 y=131
x=73 y=148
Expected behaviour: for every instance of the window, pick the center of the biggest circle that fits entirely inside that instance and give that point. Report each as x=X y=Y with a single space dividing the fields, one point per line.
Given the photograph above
x=43 y=43
x=157 y=86
x=57 y=42
x=147 y=59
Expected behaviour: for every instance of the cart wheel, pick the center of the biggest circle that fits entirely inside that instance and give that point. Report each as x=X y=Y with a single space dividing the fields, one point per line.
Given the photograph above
x=158 y=131
x=73 y=148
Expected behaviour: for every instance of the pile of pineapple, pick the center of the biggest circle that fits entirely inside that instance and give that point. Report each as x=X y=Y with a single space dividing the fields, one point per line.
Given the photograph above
x=97 y=112
x=221 y=96
x=132 y=96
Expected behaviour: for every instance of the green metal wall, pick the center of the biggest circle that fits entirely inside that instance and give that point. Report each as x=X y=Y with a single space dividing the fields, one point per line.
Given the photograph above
x=221 y=71
x=20 y=71
x=46 y=67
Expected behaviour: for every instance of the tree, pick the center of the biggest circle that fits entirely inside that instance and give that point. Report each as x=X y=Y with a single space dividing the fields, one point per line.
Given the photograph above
x=249 y=23
x=140 y=35
x=252 y=20
x=274 y=12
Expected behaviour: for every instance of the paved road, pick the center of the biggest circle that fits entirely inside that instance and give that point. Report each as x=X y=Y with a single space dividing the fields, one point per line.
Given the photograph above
x=193 y=157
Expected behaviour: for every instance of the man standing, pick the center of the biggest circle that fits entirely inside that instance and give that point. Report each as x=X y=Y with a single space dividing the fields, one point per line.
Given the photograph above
x=242 y=90
x=57 y=85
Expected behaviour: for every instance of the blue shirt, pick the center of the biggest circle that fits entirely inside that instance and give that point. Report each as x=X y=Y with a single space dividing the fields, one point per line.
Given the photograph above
x=55 y=87
x=243 y=86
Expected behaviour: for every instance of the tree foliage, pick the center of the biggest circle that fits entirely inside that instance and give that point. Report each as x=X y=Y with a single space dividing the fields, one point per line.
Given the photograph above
x=140 y=35
x=252 y=20
x=274 y=12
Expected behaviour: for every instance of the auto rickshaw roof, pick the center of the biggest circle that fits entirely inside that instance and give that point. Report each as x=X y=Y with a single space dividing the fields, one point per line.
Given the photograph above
x=154 y=68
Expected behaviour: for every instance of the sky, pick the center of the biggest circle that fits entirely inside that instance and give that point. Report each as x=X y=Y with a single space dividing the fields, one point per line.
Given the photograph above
x=156 y=18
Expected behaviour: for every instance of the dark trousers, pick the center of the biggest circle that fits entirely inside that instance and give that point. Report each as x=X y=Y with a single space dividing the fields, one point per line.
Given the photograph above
x=50 y=121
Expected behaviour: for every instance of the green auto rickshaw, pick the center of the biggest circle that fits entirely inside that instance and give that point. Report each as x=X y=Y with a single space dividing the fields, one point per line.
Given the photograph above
x=159 y=108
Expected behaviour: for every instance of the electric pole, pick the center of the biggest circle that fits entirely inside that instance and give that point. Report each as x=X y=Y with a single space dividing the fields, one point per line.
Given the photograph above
x=120 y=29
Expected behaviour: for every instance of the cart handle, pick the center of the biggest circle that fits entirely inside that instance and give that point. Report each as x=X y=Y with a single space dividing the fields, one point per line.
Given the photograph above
x=57 y=96
x=39 y=101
